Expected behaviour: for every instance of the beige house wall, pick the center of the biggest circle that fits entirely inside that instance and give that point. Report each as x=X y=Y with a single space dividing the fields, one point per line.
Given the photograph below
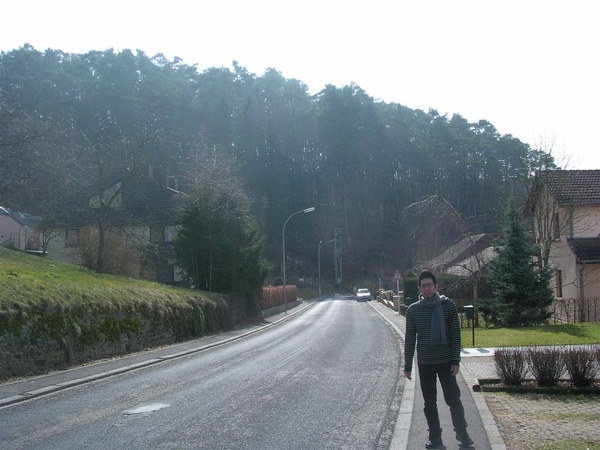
x=578 y=221
x=586 y=221
x=129 y=240
x=563 y=259
x=59 y=251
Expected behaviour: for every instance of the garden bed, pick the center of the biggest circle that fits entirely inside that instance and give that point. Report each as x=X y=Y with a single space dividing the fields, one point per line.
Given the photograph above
x=531 y=386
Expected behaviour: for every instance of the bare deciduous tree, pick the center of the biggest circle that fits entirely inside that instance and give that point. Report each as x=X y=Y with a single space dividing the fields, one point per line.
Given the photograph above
x=434 y=225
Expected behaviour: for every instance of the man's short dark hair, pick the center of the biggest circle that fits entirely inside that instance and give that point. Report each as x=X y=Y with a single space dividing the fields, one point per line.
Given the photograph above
x=427 y=274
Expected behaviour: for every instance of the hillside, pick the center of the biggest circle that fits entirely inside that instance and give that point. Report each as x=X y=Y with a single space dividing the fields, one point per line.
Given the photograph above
x=53 y=315
x=360 y=162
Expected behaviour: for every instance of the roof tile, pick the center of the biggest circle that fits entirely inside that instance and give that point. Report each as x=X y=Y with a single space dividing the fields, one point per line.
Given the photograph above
x=573 y=186
x=586 y=249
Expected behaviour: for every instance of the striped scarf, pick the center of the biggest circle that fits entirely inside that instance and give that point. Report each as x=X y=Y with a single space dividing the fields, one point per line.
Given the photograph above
x=438 y=324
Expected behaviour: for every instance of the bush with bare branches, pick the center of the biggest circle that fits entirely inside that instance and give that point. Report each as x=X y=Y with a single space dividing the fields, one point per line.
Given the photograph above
x=581 y=363
x=511 y=365
x=546 y=364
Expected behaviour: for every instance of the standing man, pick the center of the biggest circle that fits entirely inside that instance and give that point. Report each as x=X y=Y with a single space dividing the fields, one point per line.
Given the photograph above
x=432 y=326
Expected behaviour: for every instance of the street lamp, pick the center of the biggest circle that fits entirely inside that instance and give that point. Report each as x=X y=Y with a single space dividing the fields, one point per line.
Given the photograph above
x=307 y=210
x=321 y=244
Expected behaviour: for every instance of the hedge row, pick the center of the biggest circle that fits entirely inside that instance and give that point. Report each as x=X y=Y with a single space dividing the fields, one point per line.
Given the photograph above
x=274 y=296
x=548 y=365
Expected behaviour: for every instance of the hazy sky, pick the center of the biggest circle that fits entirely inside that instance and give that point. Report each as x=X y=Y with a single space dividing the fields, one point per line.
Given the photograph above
x=530 y=67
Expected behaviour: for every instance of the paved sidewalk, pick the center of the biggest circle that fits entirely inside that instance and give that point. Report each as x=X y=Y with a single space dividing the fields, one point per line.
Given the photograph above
x=533 y=421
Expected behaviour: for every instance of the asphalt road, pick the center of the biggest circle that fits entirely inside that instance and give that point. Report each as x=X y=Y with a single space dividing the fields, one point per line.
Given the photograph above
x=327 y=378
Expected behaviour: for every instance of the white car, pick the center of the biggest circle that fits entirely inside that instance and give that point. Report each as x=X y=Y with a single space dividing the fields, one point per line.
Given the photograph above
x=363 y=295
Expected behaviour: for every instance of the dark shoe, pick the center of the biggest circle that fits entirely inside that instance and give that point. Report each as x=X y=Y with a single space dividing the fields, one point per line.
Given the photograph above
x=434 y=442
x=464 y=438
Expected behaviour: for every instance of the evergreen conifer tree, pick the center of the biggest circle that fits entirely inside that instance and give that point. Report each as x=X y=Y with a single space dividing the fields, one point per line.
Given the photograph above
x=521 y=286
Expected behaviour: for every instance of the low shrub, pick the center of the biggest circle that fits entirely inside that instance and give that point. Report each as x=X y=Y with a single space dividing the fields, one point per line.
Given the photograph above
x=582 y=365
x=511 y=365
x=546 y=364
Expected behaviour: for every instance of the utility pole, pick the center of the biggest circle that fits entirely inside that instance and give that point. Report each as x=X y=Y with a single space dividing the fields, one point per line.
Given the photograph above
x=338 y=255
x=321 y=244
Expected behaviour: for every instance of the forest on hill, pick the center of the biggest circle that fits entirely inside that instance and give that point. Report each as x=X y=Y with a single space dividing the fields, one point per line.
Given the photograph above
x=69 y=119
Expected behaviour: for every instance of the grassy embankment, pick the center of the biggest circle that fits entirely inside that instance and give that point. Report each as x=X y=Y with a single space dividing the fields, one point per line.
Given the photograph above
x=48 y=309
x=25 y=278
x=31 y=285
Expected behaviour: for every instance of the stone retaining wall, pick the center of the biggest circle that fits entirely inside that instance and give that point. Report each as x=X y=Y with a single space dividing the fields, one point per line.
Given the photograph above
x=43 y=338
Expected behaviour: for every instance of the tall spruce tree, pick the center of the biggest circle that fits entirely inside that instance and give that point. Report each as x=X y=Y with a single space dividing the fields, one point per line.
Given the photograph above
x=521 y=285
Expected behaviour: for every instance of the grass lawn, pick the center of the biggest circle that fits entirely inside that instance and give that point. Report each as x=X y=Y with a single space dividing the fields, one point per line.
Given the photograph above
x=560 y=334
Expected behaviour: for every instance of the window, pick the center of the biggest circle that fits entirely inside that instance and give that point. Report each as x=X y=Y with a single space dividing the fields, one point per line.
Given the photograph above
x=156 y=234
x=558 y=284
x=72 y=237
x=170 y=233
x=556 y=226
x=163 y=234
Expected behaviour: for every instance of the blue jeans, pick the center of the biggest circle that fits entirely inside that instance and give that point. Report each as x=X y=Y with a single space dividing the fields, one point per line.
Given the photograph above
x=427 y=376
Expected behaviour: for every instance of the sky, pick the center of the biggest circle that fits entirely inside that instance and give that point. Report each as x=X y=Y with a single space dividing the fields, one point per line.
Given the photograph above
x=529 y=67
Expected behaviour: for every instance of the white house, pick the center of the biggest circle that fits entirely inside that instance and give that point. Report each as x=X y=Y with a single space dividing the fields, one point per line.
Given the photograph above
x=17 y=230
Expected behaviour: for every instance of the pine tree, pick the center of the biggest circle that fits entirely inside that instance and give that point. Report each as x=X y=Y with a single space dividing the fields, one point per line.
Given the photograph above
x=521 y=286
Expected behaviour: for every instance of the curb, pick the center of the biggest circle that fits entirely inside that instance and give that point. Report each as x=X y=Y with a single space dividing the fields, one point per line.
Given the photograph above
x=405 y=413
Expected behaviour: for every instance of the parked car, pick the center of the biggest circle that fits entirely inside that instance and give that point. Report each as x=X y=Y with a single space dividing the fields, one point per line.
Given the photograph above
x=363 y=295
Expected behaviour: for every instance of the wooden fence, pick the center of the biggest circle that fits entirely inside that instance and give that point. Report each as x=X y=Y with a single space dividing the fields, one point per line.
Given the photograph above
x=573 y=310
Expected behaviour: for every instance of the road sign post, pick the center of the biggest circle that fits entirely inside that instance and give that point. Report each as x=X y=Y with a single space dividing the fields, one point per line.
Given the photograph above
x=397 y=277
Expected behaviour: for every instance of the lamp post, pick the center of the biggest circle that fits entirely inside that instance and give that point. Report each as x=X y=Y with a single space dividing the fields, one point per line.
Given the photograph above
x=307 y=210
x=321 y=244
